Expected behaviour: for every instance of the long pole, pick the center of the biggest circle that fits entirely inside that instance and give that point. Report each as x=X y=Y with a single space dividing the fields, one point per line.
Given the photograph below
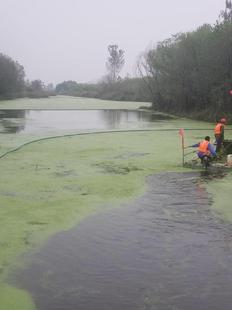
x=182 y=151
x=181 y=133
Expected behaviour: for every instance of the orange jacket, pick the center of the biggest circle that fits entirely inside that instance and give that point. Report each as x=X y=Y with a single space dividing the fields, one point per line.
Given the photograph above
x=203 y=147
x=218 y=129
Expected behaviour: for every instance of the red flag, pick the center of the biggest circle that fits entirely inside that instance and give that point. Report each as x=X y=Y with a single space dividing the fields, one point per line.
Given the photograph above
x=181 y=132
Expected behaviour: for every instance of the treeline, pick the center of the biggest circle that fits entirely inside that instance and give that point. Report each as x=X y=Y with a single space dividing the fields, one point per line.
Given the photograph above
x=189 y=74
x=128 y=89
x=192 y=72
x=11 y=78
x=14 y=85
x=111 y=86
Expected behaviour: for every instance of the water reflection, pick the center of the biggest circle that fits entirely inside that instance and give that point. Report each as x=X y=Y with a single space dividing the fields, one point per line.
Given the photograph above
x=43 y=121
x=12 y=121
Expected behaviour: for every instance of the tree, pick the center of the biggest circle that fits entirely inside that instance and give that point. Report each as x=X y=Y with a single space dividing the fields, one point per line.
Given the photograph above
x=114 y=63
x=36 y=89
x=191 y=73
x=227 y=14
x=67 y=88
x=11 y=77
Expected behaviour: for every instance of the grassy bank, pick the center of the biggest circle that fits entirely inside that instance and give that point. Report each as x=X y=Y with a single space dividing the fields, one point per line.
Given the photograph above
x=68 y=102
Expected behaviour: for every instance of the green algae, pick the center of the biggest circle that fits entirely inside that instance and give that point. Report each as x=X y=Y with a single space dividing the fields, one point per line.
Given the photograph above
x=14 y=299
x=221 y=195
x=51 y=183
x=68 y=102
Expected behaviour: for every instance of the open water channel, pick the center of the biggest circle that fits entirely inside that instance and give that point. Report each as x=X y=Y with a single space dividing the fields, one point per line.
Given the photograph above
x=164 y=251
x=61 y=121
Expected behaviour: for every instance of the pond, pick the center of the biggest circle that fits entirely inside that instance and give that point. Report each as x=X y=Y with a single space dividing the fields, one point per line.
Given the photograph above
x=165 y=250
x=56 y=121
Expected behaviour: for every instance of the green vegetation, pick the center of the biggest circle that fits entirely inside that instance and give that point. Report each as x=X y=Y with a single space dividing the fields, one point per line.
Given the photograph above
x=11 y=78
x=13 y=84
x=189 y=74
x=37 y=89
x=127 y=89
x=68 y=102
x=221 y=193
x=14 y=299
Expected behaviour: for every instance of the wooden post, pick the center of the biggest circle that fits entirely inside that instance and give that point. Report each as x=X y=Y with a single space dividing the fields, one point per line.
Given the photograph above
x=181 y=133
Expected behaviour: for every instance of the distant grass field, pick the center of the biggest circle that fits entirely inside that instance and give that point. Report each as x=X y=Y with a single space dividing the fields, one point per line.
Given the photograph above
x=68 y=102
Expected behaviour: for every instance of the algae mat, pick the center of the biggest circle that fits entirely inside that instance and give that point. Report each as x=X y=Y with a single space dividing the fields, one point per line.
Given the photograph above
x=51 y=185
x=69 y=102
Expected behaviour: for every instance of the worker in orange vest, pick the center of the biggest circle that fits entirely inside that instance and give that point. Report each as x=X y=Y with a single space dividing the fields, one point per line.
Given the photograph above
x=219 y=134
x=205 y=148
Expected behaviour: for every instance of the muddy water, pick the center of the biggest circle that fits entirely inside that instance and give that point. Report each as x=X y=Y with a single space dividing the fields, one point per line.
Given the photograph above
x=164 y=251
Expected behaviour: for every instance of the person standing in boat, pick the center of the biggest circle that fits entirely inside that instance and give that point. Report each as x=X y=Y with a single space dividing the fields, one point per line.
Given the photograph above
x=219 y=134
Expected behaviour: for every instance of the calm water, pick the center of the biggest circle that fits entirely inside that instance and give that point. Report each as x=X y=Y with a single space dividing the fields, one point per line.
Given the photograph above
x=164 y=251
x=53 y=121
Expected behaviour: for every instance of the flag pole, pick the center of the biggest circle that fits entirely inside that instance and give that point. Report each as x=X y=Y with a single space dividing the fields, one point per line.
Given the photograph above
x=183 y=151
x=181 y=133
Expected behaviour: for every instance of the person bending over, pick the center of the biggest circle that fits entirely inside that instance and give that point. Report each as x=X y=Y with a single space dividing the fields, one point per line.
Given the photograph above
x=205 y=148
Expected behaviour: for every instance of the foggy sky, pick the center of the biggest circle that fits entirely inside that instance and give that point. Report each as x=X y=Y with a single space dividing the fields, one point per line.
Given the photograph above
x=57 y=40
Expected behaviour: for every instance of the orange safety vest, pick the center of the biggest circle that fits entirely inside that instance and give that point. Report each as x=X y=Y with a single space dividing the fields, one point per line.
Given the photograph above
x=203 y=147
x=218 y=129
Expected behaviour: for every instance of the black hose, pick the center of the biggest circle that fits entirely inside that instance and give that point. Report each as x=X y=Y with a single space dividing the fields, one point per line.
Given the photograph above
x=96 y=132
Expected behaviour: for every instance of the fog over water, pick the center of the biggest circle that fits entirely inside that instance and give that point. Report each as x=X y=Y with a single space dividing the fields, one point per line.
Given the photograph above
x=57 y=40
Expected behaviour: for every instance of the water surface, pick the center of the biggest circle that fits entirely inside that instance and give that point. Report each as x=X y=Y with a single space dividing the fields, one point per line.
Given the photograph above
x=55 y=121
x=164 y=251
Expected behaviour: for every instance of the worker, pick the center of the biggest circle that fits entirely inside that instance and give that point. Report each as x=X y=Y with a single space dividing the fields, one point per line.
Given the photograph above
x=219 y=134
x=205 y=148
